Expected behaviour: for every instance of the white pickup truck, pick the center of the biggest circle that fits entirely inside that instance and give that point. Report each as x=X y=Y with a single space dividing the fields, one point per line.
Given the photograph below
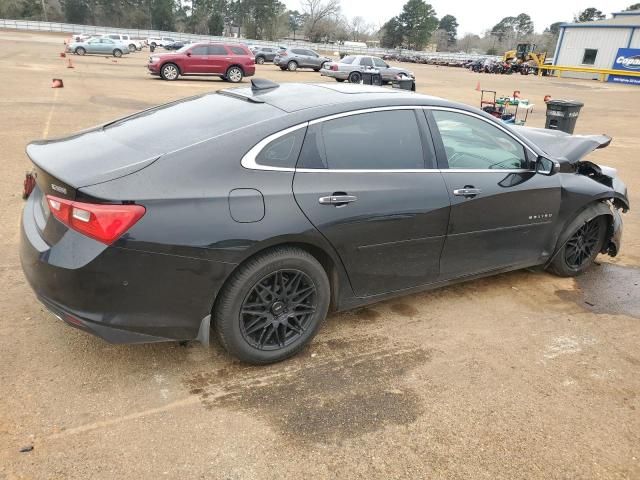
x=127 y=40
x=159 y=41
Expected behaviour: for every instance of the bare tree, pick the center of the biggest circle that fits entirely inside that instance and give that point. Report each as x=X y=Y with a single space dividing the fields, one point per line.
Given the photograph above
x=316 y=11
x=356 y=28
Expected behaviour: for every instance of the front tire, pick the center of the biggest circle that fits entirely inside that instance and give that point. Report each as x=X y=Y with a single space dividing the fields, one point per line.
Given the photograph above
x=580 y=250
x=169 y=71
x=132 y=48
x=234 y=74
x=272 y=306
x=80 y=51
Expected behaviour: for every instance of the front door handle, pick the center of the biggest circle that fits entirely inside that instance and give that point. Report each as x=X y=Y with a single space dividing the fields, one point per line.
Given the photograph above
x=467 y=192
x=337 y=200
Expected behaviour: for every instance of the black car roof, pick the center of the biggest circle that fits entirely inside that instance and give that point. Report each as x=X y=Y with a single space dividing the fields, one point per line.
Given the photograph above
x=293 y=97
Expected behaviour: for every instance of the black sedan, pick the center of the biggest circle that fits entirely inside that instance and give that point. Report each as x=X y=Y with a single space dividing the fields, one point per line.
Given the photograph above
x=261 y=209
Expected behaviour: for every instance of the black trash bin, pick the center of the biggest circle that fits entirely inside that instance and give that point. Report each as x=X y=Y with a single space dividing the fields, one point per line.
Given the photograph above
x=371 y=77
x=405 y=84
x=562 y=115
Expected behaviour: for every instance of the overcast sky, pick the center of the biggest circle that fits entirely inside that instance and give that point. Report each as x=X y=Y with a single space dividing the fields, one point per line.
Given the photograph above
x=478 y=15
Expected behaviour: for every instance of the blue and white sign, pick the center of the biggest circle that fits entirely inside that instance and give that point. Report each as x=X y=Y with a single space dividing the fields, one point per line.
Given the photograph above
x=628 y=60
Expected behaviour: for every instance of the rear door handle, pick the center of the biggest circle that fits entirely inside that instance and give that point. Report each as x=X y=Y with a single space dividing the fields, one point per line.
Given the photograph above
x=337 y=200
x=467 y=192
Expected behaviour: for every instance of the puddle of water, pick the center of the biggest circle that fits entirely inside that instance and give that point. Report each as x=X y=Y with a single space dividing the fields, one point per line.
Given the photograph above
x=335 y=390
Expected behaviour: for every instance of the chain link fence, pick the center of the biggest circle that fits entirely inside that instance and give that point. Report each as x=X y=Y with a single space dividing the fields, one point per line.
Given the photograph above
x=438 y=57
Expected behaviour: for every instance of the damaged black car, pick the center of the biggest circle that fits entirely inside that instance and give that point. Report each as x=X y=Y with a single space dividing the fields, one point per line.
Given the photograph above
x=272 y=205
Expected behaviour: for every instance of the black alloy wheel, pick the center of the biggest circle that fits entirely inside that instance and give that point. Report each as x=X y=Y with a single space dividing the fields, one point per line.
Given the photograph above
x=278 y=309
x=582 y=246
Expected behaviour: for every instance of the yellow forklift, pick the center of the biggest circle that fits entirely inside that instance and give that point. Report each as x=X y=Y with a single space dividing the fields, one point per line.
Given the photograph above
x=525 y=53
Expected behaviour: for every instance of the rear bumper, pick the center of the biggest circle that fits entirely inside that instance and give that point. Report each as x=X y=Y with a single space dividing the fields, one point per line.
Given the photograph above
x=249 y=71
x=334 y=74
x=119 y=294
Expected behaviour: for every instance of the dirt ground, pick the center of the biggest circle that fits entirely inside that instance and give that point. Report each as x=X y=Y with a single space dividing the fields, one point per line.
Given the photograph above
x=519 y=376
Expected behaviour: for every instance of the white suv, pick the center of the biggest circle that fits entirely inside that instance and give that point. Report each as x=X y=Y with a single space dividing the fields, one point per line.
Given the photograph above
x=127 y=40
x=160 y=41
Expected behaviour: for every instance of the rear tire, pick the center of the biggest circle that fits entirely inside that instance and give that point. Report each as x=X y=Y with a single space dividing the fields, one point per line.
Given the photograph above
x=117 y=53
x=292 y=66
x=340 y=80
x=355 y=77
x=169 y=71
x=580 y=250
x=132 y=48
x=272 y=306
x=234 y=74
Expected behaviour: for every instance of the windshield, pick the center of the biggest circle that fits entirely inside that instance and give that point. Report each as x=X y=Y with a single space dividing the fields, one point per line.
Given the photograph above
x=184 y=49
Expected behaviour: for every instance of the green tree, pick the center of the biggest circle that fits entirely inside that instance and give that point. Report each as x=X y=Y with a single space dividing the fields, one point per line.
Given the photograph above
x=296 y=21
x=391 y=34
x=589 y=15
x=76 y=11
x=635 y=6
x=163 y=14
x=554 y=28
x=449 y=24
x=418 y=20
x=523 y=25
x=505 y=28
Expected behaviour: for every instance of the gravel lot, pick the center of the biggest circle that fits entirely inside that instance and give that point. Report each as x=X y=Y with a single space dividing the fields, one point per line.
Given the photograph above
x=519 y=376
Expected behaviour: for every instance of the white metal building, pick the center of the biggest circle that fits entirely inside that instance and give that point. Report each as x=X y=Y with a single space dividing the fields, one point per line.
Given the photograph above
x=595 y=44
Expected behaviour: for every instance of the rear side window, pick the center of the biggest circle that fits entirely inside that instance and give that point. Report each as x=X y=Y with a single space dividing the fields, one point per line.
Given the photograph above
x=387 y=140
x=217 y=50
x=238 y=50
x=348 y=60
x=366 y=62
x=283 y=151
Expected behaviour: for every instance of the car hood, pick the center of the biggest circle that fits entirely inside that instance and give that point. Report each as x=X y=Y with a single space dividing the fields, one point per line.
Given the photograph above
x=564 y=146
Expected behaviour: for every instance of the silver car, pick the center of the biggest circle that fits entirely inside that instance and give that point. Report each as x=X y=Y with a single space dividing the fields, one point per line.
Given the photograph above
x=293 y=58
x=100 y=46
x=351 y=67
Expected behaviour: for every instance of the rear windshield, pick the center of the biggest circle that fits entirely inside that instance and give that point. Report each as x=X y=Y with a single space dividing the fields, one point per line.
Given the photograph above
x=183 y=123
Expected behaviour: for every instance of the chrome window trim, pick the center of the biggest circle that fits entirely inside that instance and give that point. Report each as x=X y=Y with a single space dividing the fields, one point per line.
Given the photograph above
x=249 y=159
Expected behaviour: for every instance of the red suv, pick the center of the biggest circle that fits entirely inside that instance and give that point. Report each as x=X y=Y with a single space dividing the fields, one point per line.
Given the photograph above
x=231 y=62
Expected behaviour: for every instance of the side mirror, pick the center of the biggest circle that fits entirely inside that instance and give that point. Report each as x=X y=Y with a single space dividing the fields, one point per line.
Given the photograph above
x=545 y=166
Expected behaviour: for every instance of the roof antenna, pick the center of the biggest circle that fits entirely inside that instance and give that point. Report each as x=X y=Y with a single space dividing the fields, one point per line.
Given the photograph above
x=259 y=84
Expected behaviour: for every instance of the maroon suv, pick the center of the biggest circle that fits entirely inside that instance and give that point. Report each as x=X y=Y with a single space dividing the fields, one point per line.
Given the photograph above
x=231 y=62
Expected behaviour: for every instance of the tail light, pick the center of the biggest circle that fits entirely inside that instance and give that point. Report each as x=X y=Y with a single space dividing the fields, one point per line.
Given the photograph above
x=334 y=67
x=282 y=54
x=105 y=223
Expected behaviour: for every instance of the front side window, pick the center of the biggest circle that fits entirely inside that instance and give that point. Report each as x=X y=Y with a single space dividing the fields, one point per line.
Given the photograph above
x=283 y=151
x=472 y=143
x=589 y=57
x=199 y=50
x=386 y=140
x=217 y=50
x=379 y=63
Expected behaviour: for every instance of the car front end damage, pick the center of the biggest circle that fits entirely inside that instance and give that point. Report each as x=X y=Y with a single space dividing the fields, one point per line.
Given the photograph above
x=604 y=193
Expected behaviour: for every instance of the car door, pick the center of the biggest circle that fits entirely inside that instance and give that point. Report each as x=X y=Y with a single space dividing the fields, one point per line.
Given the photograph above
x=366 y=181
x=383 y=68
x=218 y=60
x=315 y=61
x=107 y=45
x=196 y=61
x=502 y=212
x=93 y=46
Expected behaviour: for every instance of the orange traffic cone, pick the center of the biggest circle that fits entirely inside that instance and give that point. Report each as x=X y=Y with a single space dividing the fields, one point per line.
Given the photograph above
x=63 y=55
x=114 y=61
x=57 y=83
x=478 y=86
x=70 y=64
